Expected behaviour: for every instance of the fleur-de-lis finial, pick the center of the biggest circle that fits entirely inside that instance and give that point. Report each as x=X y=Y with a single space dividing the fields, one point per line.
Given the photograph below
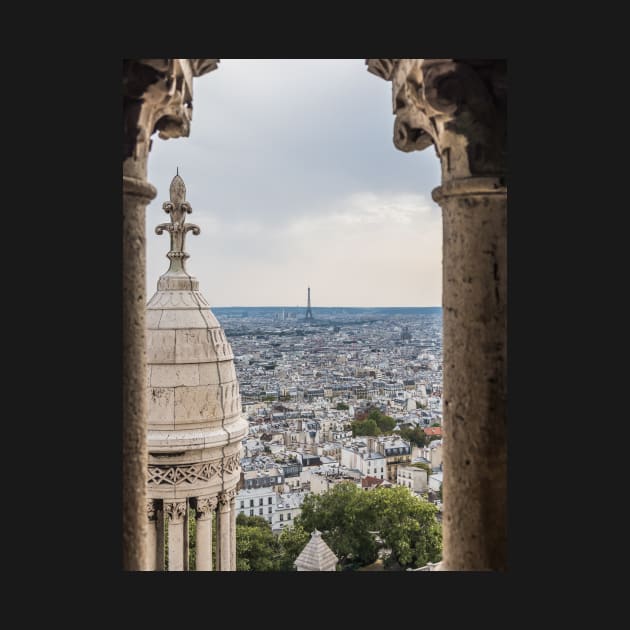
x=177 y=207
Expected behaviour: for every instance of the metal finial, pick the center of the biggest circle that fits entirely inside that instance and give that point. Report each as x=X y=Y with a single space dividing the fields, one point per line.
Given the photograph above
x=177 y=207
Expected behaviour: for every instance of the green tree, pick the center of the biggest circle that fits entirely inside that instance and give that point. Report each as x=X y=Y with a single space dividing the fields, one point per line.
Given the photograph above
x=384 y=422
x=291 y=541
x=256 y=547
x=414 y=435
x=345 y=518
x=365 y=427
x=341 y=406
x=407 y=525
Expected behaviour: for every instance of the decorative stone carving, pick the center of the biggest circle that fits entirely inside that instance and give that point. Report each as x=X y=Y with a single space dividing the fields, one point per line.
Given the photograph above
x=457 y=105
x=158 y=97
x=172 y=475
x=205 y=506
x=225 y=497
x=177 y=207
x=232 y=463
x=151 y=510
x=382 y=68
x=175 y=510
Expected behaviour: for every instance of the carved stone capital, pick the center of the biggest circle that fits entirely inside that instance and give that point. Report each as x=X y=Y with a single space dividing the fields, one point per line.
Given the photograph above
x=458 y=105
x=175 y=510
x=205 y=506
x=151 y=509
x=157 y=96
x=226 y=497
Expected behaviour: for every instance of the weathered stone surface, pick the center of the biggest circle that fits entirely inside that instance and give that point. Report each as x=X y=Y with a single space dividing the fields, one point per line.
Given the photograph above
x=460 y=107
x=182 y=319
x=153 y=319
x=227 y=371
x=209 y=373
x=194 y=404
x=160 y=346
x=162 y=405
x=194 y=346
x=174 y=375
x=475 y=392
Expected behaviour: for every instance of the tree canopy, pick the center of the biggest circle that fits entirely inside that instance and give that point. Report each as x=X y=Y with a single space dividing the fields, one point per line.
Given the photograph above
x=414 y=435
x=348 y=517
x=376 y=423
x=256 y=546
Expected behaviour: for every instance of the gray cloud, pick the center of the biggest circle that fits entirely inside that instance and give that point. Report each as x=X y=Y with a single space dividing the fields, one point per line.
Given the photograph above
x=293 y=177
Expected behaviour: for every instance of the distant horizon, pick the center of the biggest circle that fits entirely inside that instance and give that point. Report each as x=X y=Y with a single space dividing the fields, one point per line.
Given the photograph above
x=316 y=307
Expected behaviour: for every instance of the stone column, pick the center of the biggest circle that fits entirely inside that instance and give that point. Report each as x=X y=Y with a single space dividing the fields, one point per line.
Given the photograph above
x=203 y=557
x=187 y=537
x=157 y=96
x=459 y=107
x=159 y=547
x=233 y=534
x=137 y=193
x=176 y=514
x=224 y=545
x=152 y=537
x=475 y=374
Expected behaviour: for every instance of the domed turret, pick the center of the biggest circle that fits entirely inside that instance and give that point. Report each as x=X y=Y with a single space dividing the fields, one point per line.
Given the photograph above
x=195 y=425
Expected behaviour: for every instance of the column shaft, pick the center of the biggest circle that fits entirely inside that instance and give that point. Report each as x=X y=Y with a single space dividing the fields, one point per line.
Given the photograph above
x=475 y=365
x=224 y=549
x=159 y=547
x=151 y=539
x=136 y=195
x=177 y=549
x=186 y=539
x=233 y=535
x=203 y=547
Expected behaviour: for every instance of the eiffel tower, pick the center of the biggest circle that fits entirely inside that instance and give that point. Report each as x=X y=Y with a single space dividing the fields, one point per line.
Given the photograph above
x=309 y=313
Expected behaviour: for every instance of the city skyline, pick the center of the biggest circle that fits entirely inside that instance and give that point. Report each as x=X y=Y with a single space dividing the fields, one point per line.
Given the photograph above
x=294 y=181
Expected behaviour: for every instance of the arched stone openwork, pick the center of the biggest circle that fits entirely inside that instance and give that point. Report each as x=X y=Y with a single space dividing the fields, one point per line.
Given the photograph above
x=157 y=96
x=460 y=107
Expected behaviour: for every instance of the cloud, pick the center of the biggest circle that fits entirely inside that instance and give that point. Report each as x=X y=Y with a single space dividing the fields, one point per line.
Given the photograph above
x=291 y=172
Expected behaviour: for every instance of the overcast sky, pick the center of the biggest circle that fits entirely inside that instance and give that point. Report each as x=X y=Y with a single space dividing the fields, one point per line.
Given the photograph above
x=294 y=181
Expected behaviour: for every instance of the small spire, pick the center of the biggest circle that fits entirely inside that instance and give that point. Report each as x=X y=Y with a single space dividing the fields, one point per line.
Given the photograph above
x=177 y=207
x=177 y=173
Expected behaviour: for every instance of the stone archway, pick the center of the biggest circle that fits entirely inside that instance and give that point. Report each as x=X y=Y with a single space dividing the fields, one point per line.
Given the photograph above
x=460 y=107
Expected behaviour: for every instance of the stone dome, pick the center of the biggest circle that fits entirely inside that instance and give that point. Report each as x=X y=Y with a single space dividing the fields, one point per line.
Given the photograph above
x=195 y=426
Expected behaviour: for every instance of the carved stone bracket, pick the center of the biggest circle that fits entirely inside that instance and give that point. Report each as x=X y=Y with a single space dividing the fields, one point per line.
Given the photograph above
x=175 y=510
x=205 y=506
x=157 y=96
x=458 y=105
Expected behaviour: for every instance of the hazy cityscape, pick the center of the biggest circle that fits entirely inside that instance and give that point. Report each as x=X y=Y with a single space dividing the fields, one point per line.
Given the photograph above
x=303 y=382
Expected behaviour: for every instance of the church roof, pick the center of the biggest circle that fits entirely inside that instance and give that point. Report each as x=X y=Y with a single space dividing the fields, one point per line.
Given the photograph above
x=316 y=555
